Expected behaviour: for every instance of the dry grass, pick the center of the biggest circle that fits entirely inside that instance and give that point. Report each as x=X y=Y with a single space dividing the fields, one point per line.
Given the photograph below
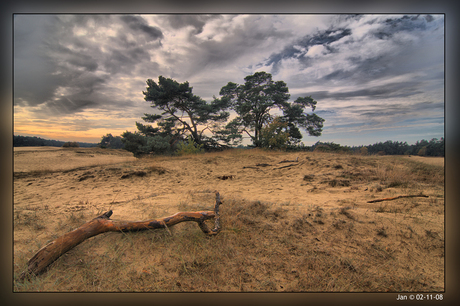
x=259 y=249
x=295 y=245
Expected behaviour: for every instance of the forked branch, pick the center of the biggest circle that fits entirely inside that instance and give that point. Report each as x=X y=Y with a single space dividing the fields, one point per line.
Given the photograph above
x=101 y=224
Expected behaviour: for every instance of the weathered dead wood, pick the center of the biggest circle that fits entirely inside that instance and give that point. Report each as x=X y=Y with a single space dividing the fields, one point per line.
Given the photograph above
x=101 y=224
x=287 y=166
x=398 y=197
x=289 y=161
x=257 y=166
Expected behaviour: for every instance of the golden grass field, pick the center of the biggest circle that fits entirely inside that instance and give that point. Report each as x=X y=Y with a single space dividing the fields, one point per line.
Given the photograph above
x=300 y=226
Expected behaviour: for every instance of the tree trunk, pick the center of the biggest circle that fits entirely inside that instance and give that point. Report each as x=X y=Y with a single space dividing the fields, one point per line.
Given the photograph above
x=101 y=224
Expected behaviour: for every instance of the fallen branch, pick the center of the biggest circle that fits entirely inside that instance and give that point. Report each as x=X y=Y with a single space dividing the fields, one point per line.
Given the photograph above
x=257 y=166
x=287 y=166
x=289 y=161
x=101 y=224
x=398 y=197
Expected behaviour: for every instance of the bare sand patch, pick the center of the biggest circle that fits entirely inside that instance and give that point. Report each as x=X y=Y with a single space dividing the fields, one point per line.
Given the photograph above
x=56 y=159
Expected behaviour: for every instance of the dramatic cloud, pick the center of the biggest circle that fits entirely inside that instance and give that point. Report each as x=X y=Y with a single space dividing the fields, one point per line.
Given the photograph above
x=369 y=73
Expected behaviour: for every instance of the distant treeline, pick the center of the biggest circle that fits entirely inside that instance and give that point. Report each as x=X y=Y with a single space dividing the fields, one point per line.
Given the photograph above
x=434 y=147
x=32 y=141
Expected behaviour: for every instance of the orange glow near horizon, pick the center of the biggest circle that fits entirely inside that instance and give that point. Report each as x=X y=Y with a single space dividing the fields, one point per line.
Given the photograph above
x=75 y=127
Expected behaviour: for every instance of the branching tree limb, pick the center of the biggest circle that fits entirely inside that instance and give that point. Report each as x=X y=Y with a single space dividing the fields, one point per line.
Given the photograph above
x=101 y=224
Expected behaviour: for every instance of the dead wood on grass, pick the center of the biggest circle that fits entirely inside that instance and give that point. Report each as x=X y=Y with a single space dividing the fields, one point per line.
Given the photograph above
x=287 y=166
x=398 y=197
x=101 y=224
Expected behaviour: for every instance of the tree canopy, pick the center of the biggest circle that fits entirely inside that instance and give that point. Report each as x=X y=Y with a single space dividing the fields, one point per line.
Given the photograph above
x=259 y=95
x=183 y=113
x=108 y=141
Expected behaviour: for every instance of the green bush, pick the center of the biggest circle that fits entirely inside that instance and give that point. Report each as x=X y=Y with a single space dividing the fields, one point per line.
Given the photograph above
x=274 y=136
x=142 y=145
x=189 y=147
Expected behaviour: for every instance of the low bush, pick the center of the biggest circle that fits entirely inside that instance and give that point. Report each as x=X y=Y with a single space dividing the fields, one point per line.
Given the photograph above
x=189 y=147
x=70 y=144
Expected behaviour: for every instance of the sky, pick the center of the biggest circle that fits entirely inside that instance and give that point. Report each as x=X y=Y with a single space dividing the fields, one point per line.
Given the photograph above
x=375 y=77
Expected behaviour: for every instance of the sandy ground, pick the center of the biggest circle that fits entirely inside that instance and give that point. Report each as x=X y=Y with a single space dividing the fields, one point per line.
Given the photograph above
x=57 y=158
x=83 y=176
x=51 y=183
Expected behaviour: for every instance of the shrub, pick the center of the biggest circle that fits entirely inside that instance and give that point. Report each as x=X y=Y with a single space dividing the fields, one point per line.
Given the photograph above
x=189 y=147
x=141 y=145
x=274 y=136
x=72 y=144
x=422 y=152
x=330 y=147
x=108 y=141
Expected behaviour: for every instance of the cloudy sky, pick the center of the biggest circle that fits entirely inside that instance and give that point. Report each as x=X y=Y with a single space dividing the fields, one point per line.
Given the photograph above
x=375 y=77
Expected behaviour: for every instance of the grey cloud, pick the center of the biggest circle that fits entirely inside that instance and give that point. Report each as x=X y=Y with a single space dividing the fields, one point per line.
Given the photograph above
x=49 y=56
x=316 y=95
x=244 y=39
x=321 y=112
x=385 y=110
x=348 y=125
x=359 y=68
x=197 y=21
x=121 y=41
x=138 y=24
x=324 y=38
x=392 y=90
x=76 y=58
x=68 y=104
x=124 y=61
x=34 y=81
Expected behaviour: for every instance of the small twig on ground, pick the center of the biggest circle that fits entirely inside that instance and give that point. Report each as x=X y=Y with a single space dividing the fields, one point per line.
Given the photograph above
x=290 y=161
x=287 y=166
x=398 y=197
x=166 y=227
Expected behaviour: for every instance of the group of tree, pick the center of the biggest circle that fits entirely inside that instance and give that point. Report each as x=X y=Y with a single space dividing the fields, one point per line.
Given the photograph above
x=434 y=147
x=329 y=147
x=32 y=141
x=182 y=117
